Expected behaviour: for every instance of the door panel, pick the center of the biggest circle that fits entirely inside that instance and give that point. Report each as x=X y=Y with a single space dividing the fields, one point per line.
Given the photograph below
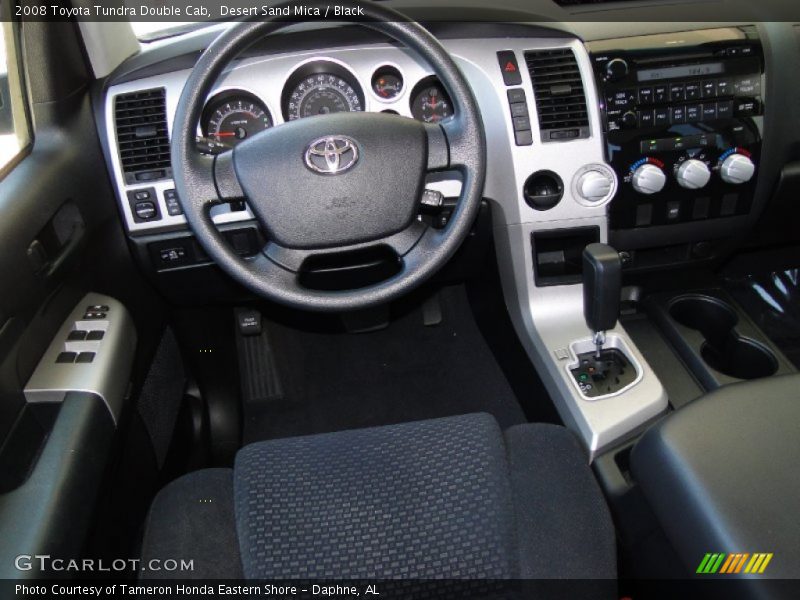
x=55 y=203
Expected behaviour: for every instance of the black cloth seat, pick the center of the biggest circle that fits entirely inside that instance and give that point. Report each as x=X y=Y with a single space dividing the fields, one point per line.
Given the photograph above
x=448 y=498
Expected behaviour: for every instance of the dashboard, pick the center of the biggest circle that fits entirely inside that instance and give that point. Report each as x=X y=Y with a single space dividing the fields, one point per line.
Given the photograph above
x=652 y=142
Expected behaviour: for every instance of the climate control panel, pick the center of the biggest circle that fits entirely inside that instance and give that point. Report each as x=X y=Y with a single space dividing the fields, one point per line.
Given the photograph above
x=682 y=127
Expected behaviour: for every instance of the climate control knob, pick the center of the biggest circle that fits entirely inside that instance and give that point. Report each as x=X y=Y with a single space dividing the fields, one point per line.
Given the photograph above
x=693 y=174
x=736 y=169
x=595 y=186
x=648 y=179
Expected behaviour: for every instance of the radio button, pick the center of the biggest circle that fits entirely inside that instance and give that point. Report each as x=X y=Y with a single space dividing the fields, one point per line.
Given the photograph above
x=646 y=118
x=616 y=69
x=662 y=116
x=660 y=94
x=724 y=87
x=748 y=86
x=693 y=91
x=678 y=116
x=693 y=113
x=709 y=89
x=709 y=111
x=630 y=120
x=677 y=92
x=746 y=107
x=725 y=109
x=646 y=95
x=621 y=99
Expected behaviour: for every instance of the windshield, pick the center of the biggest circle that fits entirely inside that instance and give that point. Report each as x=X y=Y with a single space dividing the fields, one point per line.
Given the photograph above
x=148 y=31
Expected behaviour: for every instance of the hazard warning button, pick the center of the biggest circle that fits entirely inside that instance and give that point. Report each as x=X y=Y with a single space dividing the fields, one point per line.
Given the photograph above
x=509 y=67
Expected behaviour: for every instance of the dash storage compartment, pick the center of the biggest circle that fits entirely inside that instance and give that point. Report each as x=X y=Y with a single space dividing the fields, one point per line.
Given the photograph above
x=718 y=342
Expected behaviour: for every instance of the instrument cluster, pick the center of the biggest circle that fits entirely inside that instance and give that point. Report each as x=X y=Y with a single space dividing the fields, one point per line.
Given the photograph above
x=317 y=88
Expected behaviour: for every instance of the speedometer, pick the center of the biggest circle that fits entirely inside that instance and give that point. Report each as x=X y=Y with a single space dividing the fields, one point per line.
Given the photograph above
x=322 y=94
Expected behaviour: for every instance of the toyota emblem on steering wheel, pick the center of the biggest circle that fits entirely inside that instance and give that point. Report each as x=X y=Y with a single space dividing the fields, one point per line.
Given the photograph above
x=331 y=155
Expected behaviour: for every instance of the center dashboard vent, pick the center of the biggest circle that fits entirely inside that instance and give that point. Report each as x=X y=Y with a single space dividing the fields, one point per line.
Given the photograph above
x=142 y=136
x=560 y=98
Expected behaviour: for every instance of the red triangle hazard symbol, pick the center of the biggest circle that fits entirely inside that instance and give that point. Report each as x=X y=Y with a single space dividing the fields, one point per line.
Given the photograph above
x=510 y=67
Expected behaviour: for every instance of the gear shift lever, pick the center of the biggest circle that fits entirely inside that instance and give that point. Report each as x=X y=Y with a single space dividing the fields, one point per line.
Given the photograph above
x=602 y=281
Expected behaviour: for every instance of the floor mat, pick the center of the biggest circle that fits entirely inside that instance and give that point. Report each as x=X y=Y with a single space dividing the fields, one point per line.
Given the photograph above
x=773 y=301
x=334 y=380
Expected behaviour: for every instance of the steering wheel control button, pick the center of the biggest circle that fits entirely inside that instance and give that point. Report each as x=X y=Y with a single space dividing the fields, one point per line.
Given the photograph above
x=432 y=199
x=66 y=358
x=509 y=67
x=173 y=205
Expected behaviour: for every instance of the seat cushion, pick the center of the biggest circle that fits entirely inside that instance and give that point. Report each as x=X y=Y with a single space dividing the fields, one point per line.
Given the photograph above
x=443 y=499
x=565 y=528
x=422 y=500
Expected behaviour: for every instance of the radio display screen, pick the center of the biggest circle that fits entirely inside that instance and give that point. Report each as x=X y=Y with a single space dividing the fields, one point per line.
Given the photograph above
x=683 y=71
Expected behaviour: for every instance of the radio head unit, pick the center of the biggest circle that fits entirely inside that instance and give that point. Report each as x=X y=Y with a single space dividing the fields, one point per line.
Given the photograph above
x=682 y=119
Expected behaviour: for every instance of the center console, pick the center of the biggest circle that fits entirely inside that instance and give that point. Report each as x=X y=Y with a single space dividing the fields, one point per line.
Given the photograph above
x=682 y=116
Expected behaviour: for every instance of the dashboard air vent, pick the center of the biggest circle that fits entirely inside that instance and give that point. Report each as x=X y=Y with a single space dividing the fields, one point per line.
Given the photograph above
x=559 y=94
x=141 y=119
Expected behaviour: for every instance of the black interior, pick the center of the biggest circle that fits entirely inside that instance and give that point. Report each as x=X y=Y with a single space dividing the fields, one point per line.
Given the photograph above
x=715 y=311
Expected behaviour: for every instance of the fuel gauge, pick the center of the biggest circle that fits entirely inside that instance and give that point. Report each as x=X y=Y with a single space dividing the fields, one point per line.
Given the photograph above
x=387 y=83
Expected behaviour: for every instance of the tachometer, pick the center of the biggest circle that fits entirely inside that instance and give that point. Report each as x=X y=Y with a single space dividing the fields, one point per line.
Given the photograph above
x=322 y=94
x=430 y=102
x=232 y=117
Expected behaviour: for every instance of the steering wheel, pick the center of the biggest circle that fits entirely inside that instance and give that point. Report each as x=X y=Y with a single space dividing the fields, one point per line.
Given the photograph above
x=335 y=183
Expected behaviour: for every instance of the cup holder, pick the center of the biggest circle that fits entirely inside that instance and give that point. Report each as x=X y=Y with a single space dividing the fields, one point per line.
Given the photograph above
x=723 y=348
